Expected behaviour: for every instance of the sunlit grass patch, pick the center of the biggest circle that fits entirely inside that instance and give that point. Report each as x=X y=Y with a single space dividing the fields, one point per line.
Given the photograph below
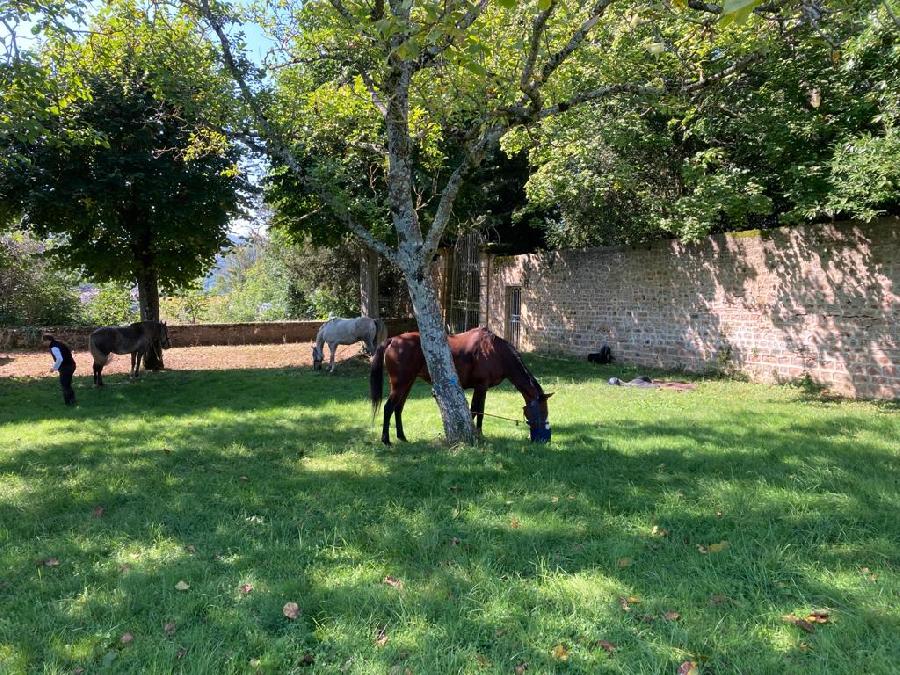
x=657 y=527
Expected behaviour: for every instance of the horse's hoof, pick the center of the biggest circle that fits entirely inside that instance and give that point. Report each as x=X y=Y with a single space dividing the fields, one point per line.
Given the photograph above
x=385 y=441
x=402 y=438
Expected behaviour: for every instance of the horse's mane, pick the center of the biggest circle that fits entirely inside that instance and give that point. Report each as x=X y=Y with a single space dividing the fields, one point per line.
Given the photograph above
x=513 y=353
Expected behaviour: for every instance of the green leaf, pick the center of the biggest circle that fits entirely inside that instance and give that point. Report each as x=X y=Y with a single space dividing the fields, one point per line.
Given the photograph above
x=544 y=5
x=508 y=4
x=734 y=6
x=475 y=67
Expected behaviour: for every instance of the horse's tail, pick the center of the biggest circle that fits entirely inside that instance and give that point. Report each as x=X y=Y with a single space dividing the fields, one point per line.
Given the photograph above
x=380 y=331
x=100 y=358
x=376 y=377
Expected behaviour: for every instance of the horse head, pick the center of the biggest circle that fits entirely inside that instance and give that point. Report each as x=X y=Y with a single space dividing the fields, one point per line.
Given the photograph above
x=317 y=357
x=164 y=335
x=538 y=418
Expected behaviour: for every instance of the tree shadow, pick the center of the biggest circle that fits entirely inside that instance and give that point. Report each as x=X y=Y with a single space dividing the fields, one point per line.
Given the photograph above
x=493 y=544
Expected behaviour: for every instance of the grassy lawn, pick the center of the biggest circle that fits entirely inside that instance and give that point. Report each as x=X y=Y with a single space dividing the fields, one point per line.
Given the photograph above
x=495 y=556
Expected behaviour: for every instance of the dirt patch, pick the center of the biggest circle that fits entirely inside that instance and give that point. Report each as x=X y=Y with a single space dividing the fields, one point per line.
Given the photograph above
x=295 y=354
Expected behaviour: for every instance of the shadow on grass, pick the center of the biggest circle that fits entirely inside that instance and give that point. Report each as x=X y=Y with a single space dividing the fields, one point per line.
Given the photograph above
x=309 y=508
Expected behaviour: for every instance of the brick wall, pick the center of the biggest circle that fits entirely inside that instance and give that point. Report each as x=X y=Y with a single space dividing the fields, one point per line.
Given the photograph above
x=194 y=334
x=818 y=300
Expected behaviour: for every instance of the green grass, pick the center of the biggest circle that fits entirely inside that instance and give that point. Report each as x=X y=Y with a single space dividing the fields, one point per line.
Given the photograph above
x=504 y=550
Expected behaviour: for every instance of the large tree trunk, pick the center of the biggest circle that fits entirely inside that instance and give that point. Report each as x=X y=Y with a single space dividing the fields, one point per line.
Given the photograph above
x=448 y=393
x=148 y=301
x=414 y=263
x=368 y=283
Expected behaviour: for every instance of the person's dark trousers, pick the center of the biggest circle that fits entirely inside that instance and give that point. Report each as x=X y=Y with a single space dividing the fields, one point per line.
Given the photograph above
x=65 y=381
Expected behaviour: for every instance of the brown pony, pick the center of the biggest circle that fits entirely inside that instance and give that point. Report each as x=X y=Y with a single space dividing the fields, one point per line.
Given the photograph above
x=136 y=339
x=482 y=361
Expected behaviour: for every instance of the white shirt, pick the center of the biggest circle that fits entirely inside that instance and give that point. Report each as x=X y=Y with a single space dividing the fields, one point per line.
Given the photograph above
x=58 y=356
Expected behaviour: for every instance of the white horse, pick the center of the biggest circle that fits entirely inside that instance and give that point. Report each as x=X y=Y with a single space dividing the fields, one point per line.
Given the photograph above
x=345 y=332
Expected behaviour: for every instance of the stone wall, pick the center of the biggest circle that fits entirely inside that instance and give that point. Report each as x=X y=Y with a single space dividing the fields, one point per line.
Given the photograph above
x=192 y=335
x=819 y=300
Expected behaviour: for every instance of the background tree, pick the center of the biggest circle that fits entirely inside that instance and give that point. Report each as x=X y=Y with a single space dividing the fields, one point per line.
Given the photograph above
x=33 y=290
x=808 y=132
x=150 y=199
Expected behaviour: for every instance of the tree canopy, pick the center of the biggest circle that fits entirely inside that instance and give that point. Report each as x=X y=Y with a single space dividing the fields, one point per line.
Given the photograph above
x=147 y=192
x=808 y=131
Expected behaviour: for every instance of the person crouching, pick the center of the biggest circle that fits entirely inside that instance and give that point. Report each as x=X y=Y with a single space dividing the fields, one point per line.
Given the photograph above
x=65 y=364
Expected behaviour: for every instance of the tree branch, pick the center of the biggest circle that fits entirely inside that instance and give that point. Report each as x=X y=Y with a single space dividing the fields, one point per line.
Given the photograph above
x=377 y=101
x=474 y=156
x=575 y=41
x=430 y=54
x=278 y=147
x=526 y=82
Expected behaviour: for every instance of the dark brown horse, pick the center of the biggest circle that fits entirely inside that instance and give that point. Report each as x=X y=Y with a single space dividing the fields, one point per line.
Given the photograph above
x=482 y=361
x=136 y=339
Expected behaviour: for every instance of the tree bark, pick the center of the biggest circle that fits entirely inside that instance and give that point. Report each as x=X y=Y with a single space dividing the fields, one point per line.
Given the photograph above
x=148 y=301
x=413 y=260
x=448 y=393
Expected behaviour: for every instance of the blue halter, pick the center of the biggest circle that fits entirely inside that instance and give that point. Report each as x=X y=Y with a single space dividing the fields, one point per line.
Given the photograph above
x=540 y=430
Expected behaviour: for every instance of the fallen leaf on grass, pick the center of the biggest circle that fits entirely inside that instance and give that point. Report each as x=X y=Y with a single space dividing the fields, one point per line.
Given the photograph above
x=393 y=582
x=716 y=600
x=126 y=639
x=688 y=668
x=125 y=568
x=671 y=616
x=245 y=589
x=521 y=668
x=291 y=610
x=623 y=562
x=818 y=616
x=607 y=646
x=455 y=541
x=307 y=659
x=647 y=618
x=866 y=573
x=190 y=548
x=658 y=531
x=182 y=585
x=98 y=512
x=627 y=602
x=78 y=670
x=243 y=478
x=713 y=548
x=800 y=623
x=49 y=562
x=381 y=637
x=514 y=523
x=560 y=653
x=554 y=499
x=180 y=653
x=169 y=628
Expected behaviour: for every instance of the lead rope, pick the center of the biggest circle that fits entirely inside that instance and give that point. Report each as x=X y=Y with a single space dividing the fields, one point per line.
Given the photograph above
x=501 y=417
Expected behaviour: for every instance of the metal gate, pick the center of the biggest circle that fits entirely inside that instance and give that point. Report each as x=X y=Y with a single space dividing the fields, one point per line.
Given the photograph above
x=513 y=315
x=464 y=308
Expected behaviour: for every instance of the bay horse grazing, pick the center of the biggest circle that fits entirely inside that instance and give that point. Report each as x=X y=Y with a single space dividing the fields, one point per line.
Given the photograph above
x=482 y=360
x=136 y=339
x=345 y=332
